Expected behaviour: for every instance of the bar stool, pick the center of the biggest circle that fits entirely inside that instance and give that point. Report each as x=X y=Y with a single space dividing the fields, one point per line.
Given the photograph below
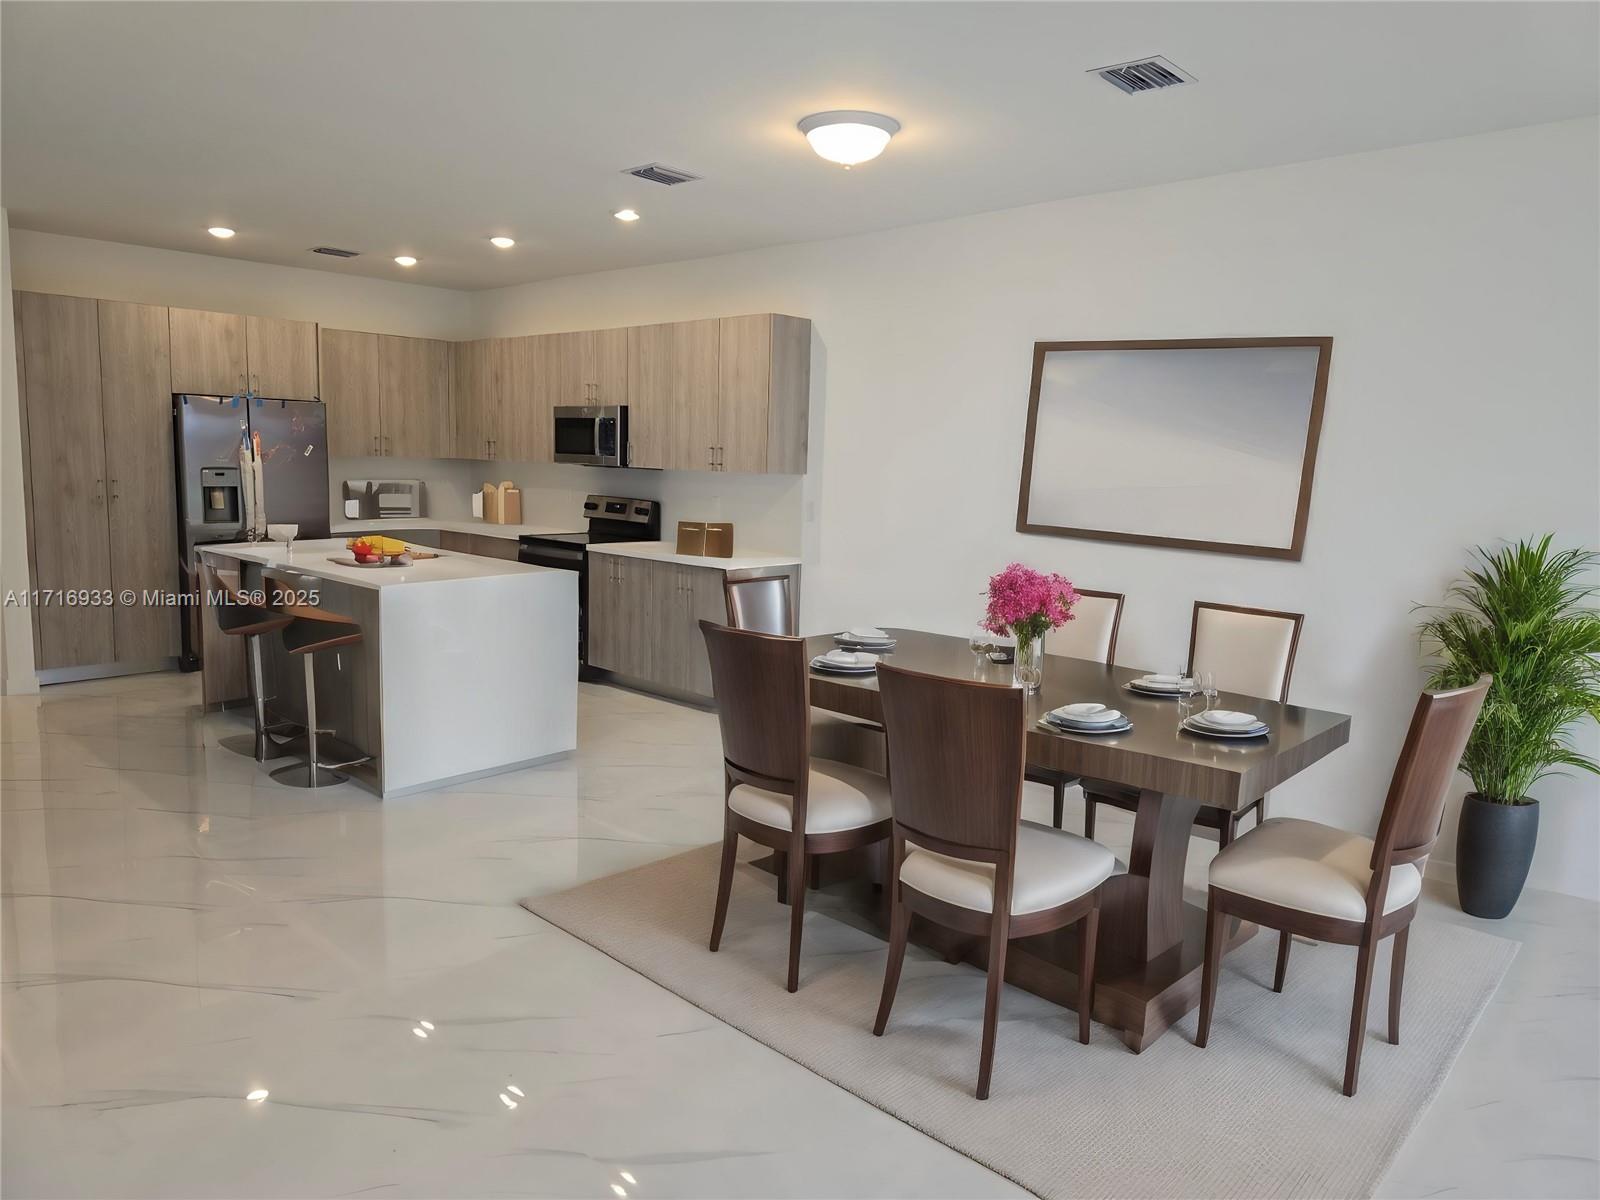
x=237 y=616
x=312 y=630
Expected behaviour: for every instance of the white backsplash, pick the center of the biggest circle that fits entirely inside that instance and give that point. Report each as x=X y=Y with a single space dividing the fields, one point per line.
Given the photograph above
x=765 y=509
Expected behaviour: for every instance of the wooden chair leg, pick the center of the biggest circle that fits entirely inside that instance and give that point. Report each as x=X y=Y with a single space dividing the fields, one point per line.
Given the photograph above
x=1088 y=816
x=1365 y=953
x=797 y=913
x=1283 y=960
x=1058 y=806
x=1397 y=977
x=899 y=929
x=730 y=851
x=1086 y=948
x=999 y=927
x=814 y=876
x=1229 y=828
x=1215 y=918
x=780 y=864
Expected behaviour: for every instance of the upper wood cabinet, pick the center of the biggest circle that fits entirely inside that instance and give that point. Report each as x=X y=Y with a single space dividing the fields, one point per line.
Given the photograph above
x=414 y=392
x=524 y=425
x=585 y=368
x=136 y=406
x=282 y=357
x=477 y=383
x=218 y=354
x=764 y=394
x=209 y=357
x=350 y=392
x=67 y=465
x=672 y=395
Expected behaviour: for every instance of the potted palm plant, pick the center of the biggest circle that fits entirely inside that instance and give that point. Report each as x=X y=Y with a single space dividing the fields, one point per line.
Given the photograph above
x=1523 y=615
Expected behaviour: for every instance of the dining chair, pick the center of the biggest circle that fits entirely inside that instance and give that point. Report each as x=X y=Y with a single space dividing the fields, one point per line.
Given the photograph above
x=1091 y=635
x=763 y=603
x=1249 y=651
x=961 y=855
x=775 y=793
x=1302 y=877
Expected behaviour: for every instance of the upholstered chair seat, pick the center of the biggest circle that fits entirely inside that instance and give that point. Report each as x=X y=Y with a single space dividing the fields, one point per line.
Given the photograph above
x=1311 y=868
x=1052 y=868
x=840 y=797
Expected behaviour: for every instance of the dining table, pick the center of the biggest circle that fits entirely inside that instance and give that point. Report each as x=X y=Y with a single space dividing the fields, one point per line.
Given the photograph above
x=1151 y=940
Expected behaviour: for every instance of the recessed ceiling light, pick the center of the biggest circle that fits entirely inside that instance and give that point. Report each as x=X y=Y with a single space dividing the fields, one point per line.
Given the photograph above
x=405 y=260
x=258 y=1095
x=220 y=231
x=848 y=136
x=625 y=214
x=504 y=243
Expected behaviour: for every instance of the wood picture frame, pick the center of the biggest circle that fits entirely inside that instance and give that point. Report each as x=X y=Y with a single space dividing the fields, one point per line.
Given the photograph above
x=1289 y=548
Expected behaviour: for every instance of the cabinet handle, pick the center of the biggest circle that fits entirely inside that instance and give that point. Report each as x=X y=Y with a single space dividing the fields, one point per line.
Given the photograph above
x=711 y=457
x=388 y=444
x=116 y=492
x=99 y=491
x=719 y=458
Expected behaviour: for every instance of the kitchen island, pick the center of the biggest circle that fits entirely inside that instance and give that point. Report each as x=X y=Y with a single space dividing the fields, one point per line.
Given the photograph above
x=467 y=667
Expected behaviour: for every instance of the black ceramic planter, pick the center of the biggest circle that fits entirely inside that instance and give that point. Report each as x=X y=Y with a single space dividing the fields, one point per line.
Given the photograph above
x=1494 y=849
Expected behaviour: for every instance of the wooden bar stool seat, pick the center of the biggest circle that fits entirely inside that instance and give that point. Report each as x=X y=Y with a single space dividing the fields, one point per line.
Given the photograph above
x=311 y=631
x=239 y=616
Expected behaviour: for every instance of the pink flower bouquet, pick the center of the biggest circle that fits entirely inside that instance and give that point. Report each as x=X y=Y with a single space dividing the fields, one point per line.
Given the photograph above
x=1028 y=604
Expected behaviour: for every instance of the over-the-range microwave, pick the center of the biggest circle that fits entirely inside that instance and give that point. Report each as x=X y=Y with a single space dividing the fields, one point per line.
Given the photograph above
x=592 y=434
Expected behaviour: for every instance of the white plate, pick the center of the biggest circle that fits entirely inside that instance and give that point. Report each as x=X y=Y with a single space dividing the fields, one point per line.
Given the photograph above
x=867 y=633
x=826 y=670
x=1122 y=726
x=1223 y=718
x=1203 y=731
x=1087 y=714
x=1152 y=692
x=850 y=643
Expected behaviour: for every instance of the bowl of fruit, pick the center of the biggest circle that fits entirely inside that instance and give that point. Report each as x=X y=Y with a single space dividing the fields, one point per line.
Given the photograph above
x=373 y=550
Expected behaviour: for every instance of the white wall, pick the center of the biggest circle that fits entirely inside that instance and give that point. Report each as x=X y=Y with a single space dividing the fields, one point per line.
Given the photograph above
x=48 y=262
x=1456 y=278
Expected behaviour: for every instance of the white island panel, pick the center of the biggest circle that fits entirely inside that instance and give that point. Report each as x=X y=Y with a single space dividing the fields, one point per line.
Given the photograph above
x=477 y=673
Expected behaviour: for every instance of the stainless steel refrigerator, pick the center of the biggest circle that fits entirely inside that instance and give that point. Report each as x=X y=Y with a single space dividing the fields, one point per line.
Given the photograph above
x=207 y=431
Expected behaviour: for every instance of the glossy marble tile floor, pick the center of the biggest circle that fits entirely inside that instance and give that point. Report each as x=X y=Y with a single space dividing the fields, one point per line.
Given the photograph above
x=181 y=933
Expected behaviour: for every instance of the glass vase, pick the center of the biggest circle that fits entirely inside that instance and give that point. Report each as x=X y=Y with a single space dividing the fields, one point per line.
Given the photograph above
x=1027 y=669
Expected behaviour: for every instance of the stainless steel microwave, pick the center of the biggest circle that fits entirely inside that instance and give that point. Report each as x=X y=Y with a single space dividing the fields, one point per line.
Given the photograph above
x=596 y=435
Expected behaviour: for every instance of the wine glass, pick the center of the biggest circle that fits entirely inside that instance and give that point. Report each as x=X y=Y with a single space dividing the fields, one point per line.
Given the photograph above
x=1208 y=688
x=980 y=640
x=1188 y=689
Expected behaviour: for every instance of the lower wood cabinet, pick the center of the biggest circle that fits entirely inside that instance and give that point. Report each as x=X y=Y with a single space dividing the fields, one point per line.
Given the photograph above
x=644 y=619
x=484 y=545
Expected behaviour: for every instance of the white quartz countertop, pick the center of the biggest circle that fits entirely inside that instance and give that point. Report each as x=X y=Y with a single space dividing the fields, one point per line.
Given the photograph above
x=454 y=525
x=667 y=552
x=314 y=558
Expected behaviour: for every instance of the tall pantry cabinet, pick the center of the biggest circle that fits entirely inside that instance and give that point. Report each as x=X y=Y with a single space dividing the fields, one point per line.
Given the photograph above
x=96 y=393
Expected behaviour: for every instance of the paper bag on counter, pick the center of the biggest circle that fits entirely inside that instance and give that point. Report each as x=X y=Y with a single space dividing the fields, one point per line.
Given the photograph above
x=719 y=539
x=510 y=504
x=691 y=537
x=491 y=504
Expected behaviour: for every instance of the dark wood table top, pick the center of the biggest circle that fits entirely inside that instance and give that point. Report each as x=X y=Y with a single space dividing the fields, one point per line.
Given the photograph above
x=1154 y=754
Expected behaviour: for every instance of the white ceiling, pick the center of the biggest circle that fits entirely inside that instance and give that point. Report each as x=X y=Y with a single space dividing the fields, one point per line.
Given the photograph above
x=425 y=128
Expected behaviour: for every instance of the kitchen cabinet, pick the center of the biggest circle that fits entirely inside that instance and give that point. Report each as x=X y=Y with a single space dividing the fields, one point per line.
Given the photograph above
x=67 y=460
x=672 y=395
x=478 y=378
x=281 y=357
x=218 y=354
x=414 y=397
x=209 y=356
x=644 y=619
x=763 y=394
x=621 y=614
x=136 y=410
x=350 y=390
x=588 y=367
x=524 y=401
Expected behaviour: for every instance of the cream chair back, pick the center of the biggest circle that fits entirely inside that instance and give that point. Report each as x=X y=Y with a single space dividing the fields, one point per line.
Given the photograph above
x=1248 y=650
x=1092 y=632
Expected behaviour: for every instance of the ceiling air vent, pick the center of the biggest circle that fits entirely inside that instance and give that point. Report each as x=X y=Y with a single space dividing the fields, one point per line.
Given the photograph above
x=335 y=252
x=1144 y=75
x=661 y=173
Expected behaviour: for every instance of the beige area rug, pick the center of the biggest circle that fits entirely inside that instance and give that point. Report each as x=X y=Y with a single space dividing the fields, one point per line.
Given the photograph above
x=1258 y=1113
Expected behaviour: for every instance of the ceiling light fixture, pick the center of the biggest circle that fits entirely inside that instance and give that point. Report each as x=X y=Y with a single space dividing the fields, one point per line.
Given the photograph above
x=257 y=1095
x=848 y=136
x=625 y=214
x=220 y=231
x=405 y=260
x=503 y=243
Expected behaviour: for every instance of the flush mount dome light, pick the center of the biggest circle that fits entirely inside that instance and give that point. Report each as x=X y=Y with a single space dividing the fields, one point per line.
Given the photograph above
x=502 y=243
x=405 y=260
x=220 y=231
x=848 y=137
